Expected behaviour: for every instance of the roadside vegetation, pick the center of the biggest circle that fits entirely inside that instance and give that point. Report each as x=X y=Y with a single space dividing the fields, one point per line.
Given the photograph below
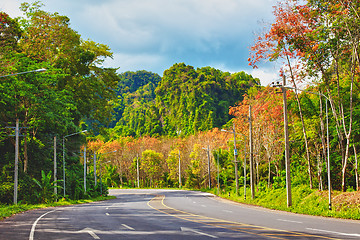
x=306 y=201
x=151 y=131
x=9 y=210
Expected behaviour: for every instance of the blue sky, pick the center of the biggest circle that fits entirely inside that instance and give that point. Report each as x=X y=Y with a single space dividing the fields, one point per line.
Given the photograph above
x=152 y=35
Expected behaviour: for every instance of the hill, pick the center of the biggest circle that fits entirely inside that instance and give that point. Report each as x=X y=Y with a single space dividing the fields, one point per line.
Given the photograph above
x=184 y=101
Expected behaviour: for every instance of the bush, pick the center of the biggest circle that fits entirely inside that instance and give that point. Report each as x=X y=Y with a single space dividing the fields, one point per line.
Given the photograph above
x=6 y=192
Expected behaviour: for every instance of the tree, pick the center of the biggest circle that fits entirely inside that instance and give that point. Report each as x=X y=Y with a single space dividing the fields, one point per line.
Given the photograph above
x=10 y=32
x=173 y=164
x=48 y=37
x=151 y=165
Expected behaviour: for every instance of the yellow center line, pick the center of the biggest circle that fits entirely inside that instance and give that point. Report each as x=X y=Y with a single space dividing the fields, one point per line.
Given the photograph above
x=157 y=203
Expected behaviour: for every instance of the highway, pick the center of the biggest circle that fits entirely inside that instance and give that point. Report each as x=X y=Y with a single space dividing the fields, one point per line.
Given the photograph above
x=170 y=214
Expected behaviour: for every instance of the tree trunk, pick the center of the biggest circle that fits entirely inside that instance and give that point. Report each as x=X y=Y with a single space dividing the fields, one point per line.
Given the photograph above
x=26 y=159
x=347 y=131
x=269 y=173
x=356 y=169
x=319 y=166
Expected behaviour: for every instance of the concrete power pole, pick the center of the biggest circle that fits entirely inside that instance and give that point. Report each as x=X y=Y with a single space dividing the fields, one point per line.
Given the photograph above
x=251 y=158
x=95 y=169
x=137 y=170
x=55 y=168
x=287 y=152
x=236 y=162
x=209 y=172
x=85 y=169
x=16 y=161
x=180 y=184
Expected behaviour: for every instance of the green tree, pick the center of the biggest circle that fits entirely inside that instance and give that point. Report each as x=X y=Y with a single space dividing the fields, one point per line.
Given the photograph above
x=151 y=164
x=173 y=165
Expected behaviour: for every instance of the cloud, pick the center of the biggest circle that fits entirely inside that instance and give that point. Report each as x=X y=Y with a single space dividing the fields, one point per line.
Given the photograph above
x=155 y=34
x=134 y=62
x=266 y=75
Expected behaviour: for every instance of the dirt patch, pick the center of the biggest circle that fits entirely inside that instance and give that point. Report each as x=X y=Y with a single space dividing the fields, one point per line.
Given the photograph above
x=347 y=199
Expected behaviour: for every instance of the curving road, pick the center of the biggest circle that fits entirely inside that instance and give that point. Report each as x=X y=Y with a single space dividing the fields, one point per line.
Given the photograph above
x=171 y=214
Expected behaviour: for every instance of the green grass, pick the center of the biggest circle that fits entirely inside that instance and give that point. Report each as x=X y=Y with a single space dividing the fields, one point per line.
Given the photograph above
x=9 y=210
x=304 y=201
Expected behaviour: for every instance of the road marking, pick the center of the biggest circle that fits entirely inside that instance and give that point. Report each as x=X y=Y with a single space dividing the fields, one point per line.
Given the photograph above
x=93 y=235
x=107 y=208
x=157 y=203
x=227 y=211
x=338 y=233
x=128 y=227
x=91 y=232
x=203 y=205
x=285 y=220
x=32 y=232
x=107 y=214
x=198 y=232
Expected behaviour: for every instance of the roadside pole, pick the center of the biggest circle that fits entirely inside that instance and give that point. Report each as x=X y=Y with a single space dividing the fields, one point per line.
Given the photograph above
x=180 y=184
x=55 y=169
x=16 y=161
x=287 y=151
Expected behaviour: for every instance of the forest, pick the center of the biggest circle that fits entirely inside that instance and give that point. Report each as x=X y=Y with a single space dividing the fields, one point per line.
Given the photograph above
x=177 y=130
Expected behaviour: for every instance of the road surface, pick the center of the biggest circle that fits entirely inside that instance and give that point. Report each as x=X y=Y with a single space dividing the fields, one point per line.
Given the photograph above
x=170 y=214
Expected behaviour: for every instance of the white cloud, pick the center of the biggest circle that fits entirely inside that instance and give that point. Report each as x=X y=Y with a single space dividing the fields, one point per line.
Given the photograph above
x=155 y=34
x=266 y=75
x=132 y=62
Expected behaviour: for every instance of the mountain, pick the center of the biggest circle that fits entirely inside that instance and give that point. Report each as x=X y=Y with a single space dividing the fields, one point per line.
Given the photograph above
x=184 y=101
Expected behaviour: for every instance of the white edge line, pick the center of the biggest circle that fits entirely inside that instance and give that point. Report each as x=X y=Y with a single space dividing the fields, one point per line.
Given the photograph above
x=339 y=233
x=32 y=232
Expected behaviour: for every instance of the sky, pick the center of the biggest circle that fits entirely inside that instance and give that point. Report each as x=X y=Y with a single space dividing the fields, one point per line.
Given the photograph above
x=153 y=35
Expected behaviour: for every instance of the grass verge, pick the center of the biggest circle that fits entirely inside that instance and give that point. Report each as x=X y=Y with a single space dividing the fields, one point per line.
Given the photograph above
x=304 y=201
x=9 y=210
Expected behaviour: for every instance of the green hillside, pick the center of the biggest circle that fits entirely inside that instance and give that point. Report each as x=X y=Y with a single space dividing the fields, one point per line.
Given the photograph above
x=184 y=101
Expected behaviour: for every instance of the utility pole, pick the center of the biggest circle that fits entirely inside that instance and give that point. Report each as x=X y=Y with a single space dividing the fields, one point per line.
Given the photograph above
x=55 y=168
x=84 y=169
x=328 y=152
x=209 y=172
x=16 y=161
x=245 y=168
x=251 y=156
x=218 y=173
x=95 y=168
x=236 y=162
x=208 y=153
x=287 y=152
x=137 y=170
x=180 y=184
x=64 y=166
x=16 y=169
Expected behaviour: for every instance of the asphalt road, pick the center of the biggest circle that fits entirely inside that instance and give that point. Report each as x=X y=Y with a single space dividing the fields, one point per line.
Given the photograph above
x=167 y=214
